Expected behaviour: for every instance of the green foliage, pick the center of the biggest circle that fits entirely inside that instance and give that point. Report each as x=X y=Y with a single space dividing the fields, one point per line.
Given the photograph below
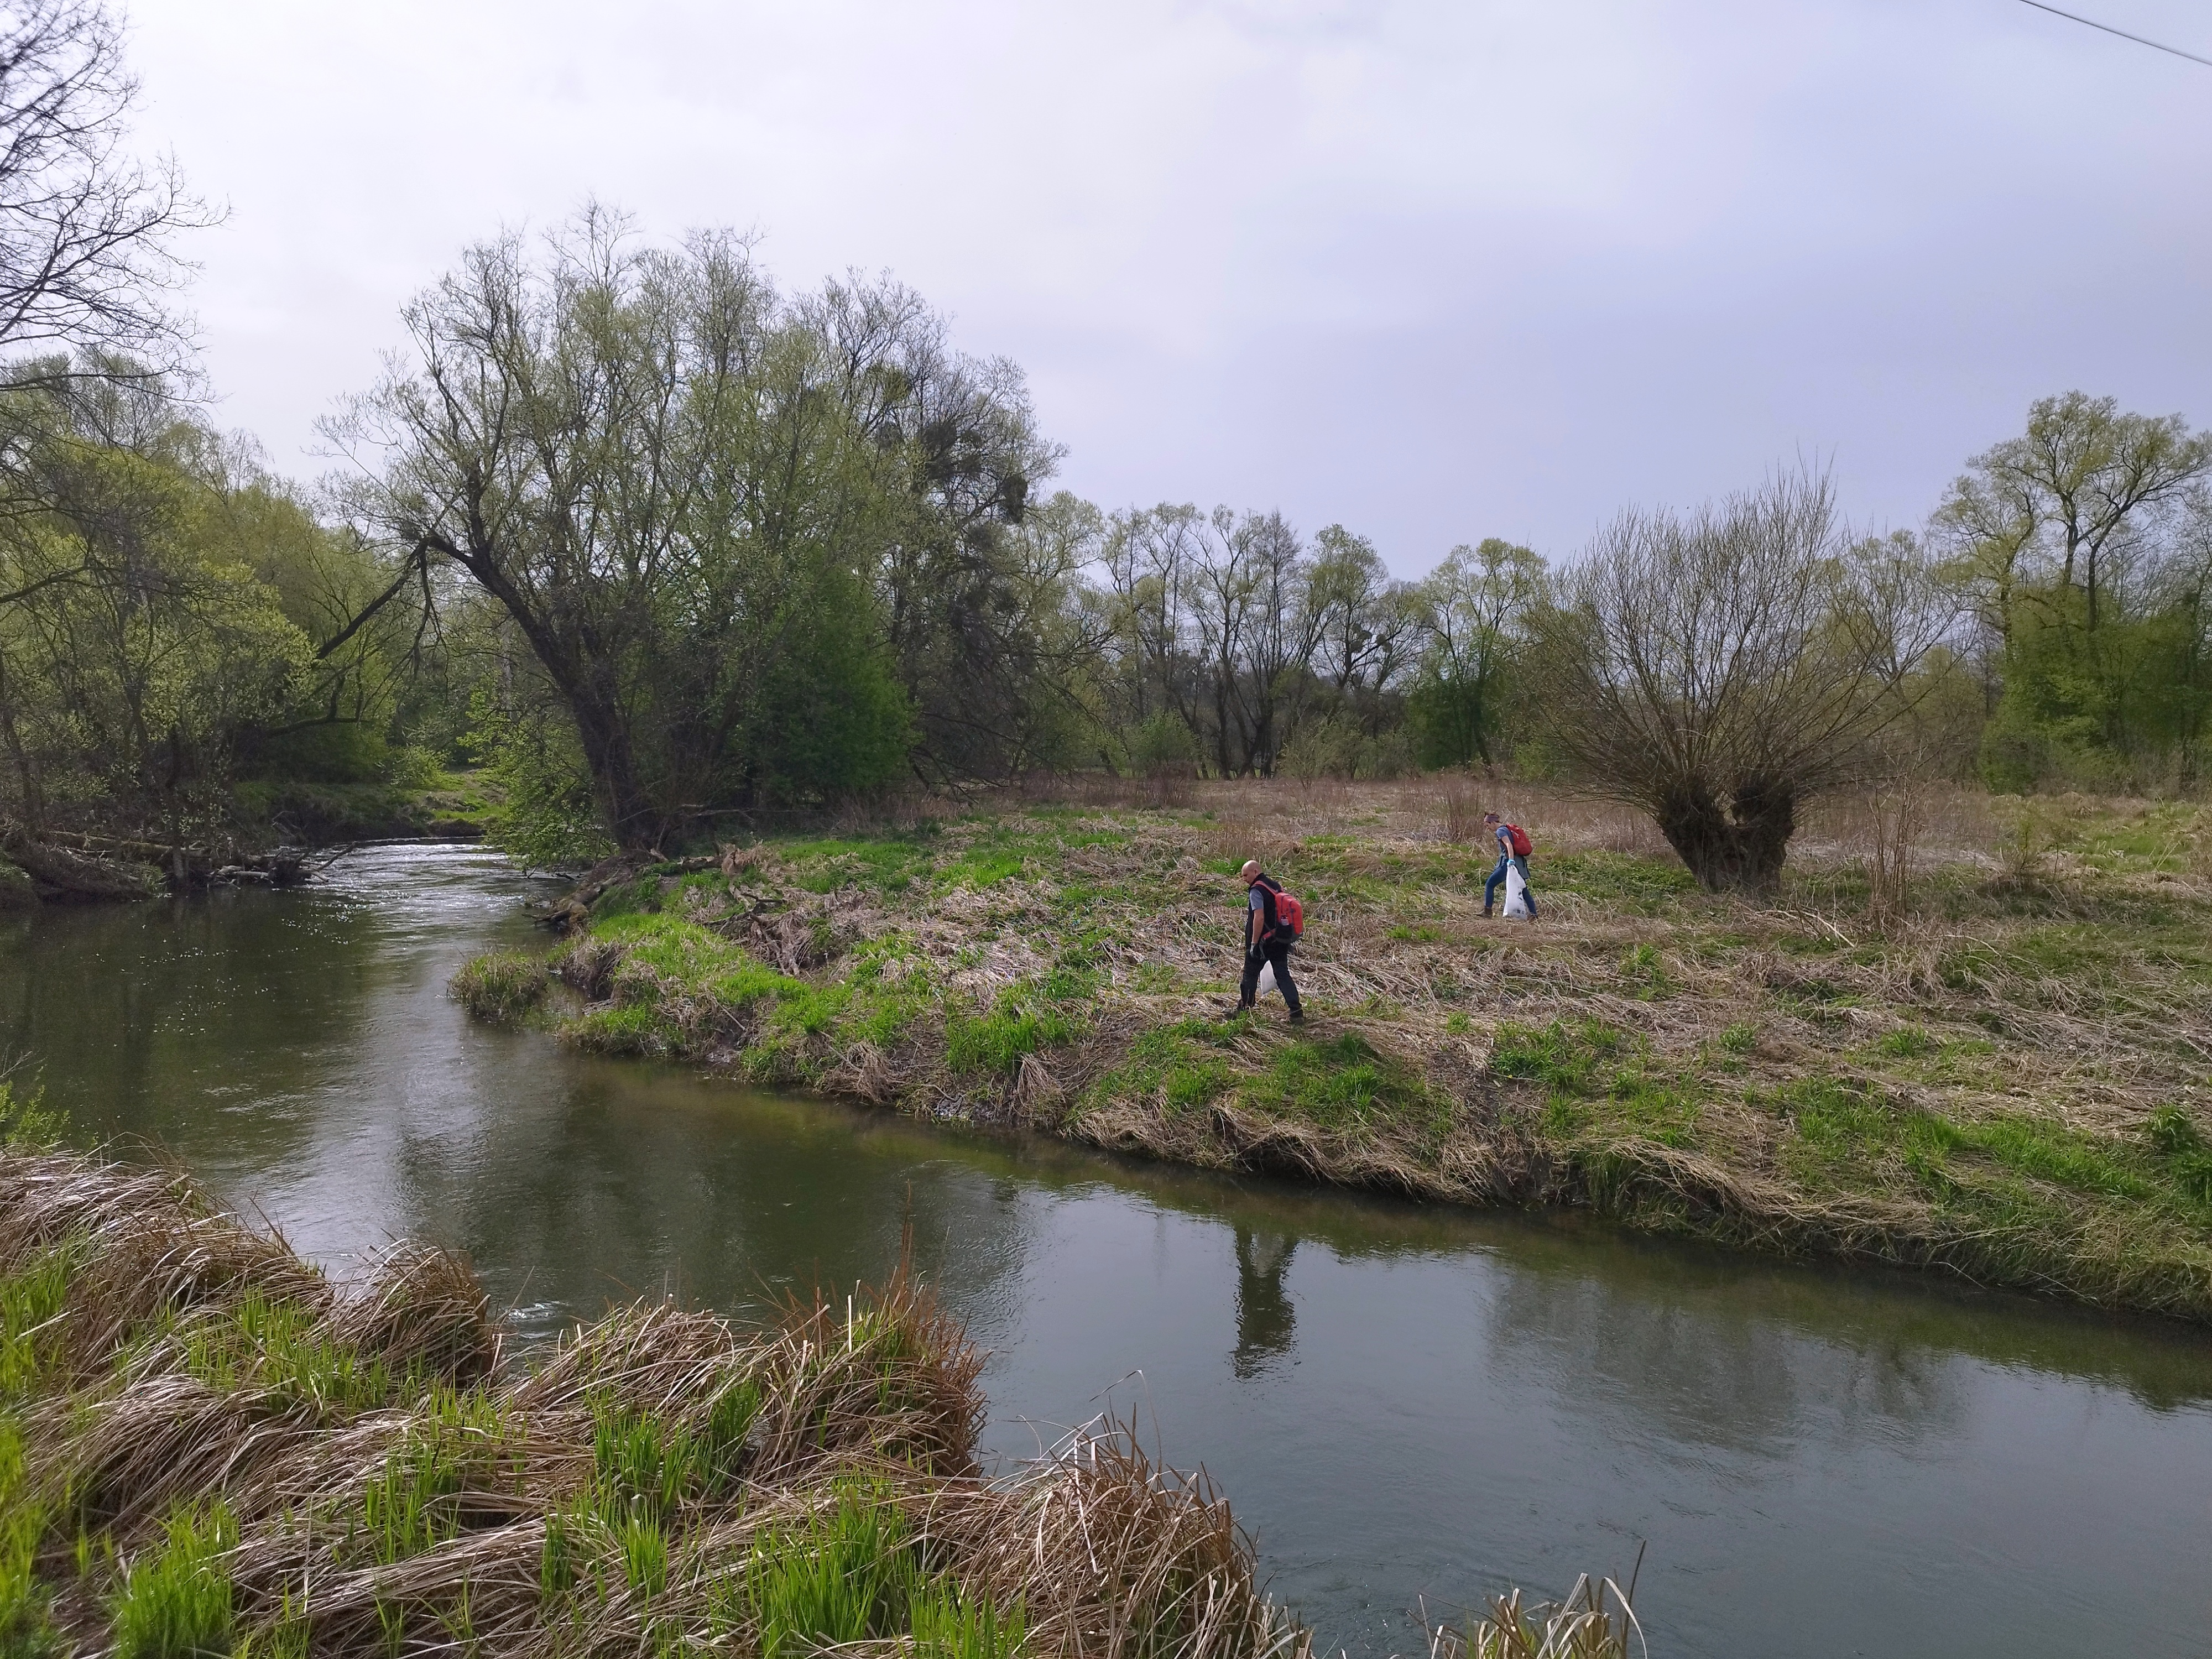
x=160 y=641
x=1164 y=747
x=845 y=1575
x=26 y=1120
x=500 y=987
x=548 y=818
x=176 y=1604
x=834 y=720
x=1475 y=605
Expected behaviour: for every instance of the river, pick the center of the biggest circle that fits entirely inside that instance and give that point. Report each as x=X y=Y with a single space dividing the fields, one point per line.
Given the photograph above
x=1409 y=1407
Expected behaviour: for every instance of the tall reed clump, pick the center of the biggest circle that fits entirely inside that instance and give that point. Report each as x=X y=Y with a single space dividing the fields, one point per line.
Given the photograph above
x=1595 y=1621
x=206 y=1448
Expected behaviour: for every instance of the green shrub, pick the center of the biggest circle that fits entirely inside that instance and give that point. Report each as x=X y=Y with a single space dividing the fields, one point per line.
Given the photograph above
x=26 y=1120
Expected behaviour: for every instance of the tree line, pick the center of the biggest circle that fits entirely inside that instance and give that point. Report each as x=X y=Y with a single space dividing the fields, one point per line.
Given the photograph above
x=663 y=546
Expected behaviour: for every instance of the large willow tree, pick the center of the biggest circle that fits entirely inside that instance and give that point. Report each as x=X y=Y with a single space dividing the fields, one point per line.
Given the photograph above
x=755 y=544
x=1719 y=668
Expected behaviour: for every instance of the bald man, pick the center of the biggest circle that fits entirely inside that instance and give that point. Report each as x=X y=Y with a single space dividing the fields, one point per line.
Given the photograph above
x=1266 y=940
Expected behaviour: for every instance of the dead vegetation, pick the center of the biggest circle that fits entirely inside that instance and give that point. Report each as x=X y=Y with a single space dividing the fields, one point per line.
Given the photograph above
x=1946 y=1039
x=207 y=1447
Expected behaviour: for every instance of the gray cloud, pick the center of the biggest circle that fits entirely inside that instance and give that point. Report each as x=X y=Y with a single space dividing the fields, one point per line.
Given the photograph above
x=1438 y=271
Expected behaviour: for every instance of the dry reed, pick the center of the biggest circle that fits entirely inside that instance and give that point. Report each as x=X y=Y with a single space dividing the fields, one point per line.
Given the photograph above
x=211 y=1431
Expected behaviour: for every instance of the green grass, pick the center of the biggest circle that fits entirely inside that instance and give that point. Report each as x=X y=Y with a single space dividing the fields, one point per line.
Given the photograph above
x=1845 y=1134
x=410 y=1505
x=276 y=1345
x=176 y=1602
x=501 y=987
x=949 y=1621
x=1180 y=1065
x=1620 y=881
x=31 y=1298
x=846 y=1575
x=994 y=1039
x=1598 y=1084
x=1343 y=1083
x=825 y=865
x=26 y=1619
x=1806 y=999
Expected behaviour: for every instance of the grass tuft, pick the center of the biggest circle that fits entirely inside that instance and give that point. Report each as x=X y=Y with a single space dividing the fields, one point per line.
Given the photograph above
x=501 y=987
x=176 y=1602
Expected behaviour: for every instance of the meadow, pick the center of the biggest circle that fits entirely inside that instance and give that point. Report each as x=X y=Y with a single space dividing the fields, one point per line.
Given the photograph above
x=1976 y=1043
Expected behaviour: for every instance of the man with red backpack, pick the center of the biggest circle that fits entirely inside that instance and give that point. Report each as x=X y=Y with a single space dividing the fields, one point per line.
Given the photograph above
x=1272 y=921
x=1513 y=849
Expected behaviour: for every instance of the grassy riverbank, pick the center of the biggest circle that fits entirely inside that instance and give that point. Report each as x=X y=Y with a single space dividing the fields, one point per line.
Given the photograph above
x=2004 y=1080
x=205 y=1448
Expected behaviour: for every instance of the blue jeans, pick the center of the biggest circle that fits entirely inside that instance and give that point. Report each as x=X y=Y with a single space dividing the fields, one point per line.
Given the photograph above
x=1498 y=879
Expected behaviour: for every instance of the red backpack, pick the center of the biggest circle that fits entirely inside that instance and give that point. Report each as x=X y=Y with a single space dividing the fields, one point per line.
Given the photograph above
x=1519 y=837
x=1289 y=913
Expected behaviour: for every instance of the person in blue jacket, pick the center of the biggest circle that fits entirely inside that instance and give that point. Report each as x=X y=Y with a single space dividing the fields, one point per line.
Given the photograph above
x=1513 y=849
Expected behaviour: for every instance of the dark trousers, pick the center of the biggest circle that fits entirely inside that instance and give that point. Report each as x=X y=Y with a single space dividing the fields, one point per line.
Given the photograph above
x=1497 y=880
x=1275 y=950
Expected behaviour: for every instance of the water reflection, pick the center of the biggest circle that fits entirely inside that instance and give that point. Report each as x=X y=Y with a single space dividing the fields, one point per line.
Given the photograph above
x=1266 y=1326
x=1417 y=1402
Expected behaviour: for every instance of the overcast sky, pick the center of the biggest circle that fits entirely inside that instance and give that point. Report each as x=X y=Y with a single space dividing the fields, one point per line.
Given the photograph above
x=1434 y=270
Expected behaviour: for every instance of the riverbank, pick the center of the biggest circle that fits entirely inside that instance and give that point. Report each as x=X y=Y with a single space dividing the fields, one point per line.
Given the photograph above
x=278 y=823
x=2003 y=1080
x=205 y=1446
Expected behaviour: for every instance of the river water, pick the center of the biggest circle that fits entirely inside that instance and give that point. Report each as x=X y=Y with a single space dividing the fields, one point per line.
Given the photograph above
x=1409 y=1407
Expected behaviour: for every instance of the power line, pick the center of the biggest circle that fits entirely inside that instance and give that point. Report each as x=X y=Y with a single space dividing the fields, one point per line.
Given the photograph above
x=2155 y=46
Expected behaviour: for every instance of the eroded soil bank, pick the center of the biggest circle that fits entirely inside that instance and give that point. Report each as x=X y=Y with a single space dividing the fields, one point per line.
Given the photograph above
x=2003 y=1081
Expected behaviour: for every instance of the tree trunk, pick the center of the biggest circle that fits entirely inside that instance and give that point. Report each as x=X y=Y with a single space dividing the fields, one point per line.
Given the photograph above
x=1732 y=848
x=69 y=877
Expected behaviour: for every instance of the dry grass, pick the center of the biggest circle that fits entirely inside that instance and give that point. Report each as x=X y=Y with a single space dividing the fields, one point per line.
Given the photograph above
x=1945 y=1043
x=1595 y=1621
x=203 y=1444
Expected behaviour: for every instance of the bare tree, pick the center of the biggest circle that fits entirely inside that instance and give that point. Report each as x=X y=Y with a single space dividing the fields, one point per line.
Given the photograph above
x=84 y=228
x=1717 y=668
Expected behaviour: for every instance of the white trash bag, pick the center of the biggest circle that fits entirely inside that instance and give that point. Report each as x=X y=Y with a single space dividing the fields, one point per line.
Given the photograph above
x=1516 y=895
x=1267 y=986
